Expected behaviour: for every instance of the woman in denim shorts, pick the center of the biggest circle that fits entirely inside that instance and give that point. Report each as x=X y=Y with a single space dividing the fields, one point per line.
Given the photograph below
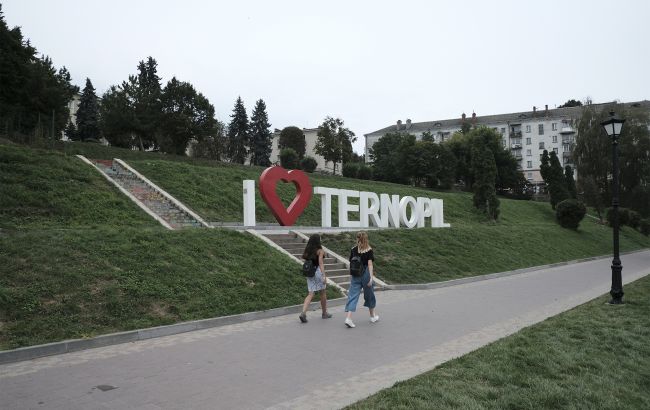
x=363 y=282
x=317 y=283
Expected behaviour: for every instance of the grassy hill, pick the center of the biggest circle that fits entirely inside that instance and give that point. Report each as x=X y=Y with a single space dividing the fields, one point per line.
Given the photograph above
x=78 y=259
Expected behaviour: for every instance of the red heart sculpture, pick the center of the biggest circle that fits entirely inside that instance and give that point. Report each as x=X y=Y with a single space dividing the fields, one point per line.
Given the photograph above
x=268 y=182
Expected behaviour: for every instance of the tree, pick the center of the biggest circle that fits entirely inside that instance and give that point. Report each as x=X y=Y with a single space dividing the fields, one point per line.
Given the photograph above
x=545 y=166
x=557 y=185
x=117 y=113
x=427 y=136
x=592 y=195
x=71 y=131
x=147 y=103
x=33 y=94
x=571 y=103
x=334 y=141
x=293 y=137
x=186 y=115
x=211 y=146
x=385 y=164
x=570 y=182
x=485 y=173
x=88 y=114
x=261 y=137
x=238 y=138
x=289 y=158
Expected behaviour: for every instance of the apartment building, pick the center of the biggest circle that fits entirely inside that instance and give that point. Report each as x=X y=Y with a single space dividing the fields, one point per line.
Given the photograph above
x=527 y=134
x=311 y=136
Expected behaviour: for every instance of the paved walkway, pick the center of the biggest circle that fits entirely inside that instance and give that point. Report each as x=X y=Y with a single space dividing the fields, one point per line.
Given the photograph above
x=280 y=363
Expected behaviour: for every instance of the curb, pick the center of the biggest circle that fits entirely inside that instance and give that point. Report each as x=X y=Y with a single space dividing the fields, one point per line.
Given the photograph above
x=75 y=345
x=470 y=279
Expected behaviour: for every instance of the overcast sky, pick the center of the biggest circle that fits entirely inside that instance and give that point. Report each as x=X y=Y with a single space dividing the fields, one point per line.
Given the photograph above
x=368 y=62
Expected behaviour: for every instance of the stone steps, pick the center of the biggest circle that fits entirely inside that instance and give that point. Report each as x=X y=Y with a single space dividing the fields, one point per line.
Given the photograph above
x=155 y=201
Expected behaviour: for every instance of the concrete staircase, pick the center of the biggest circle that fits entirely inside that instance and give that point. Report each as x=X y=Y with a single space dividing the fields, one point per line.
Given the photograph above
x=336 y=269
x=152 y=198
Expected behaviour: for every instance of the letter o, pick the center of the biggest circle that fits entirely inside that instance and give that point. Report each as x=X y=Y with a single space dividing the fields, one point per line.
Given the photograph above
x=404 y=203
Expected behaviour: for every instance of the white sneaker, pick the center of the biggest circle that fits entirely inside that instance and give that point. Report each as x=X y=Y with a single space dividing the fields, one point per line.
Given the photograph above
x=374 y=319
x=349 y=323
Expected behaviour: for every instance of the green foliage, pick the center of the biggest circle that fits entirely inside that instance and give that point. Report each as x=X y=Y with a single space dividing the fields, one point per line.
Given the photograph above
x=545 y=167
x=211 y=146
x=186 y=114
x=34 y=96
x=385 y=164
x=571 y=103
x=260 y=134
x=634 y=219
x=88 y=114
x=293 y=137
x=427 y=136
x=484 y=166
x=148 y=106
x=71 y=131
x=570 y=212
x=591 y=357
x=592 y=196
x=351 y=169
x=556 y=182
x=238 y=133
x=365 y=172
x=117 y=114
x=308 y=164
x=623 y=216
x=334 y=141
x=644 y=226
x=570 y=182
x=289 y=158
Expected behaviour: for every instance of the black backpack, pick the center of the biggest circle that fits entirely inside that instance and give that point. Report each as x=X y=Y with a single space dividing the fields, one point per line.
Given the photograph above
x=356 y=265
x=308 y=268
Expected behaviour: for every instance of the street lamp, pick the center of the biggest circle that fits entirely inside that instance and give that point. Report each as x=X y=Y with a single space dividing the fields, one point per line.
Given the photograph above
x=613 y=128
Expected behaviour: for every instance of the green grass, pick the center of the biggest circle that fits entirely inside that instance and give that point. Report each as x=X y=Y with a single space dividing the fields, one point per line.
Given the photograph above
x=78 y=259
x=595 y=356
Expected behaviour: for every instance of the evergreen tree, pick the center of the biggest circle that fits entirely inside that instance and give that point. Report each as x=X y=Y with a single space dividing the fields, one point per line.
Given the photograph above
x=545 y=166
x=293 y=137
x=238 y=133
x=261 y=137
x=71 y=131
x=88 y=114
x=148 y=104
x=334 y=141
x=485 y=173
x=557 y=185
x=570 y=182
x=117 y=113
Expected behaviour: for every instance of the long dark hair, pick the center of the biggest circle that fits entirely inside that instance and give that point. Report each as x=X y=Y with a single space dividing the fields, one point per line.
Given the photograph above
x=313 y=245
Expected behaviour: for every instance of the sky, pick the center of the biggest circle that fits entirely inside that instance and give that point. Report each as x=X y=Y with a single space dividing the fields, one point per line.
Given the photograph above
x=369 y=63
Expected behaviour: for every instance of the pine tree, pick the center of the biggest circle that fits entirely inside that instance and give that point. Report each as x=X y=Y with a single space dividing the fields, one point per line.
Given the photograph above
x=570 y=182
x=260 y=136
x=71 y=131
x=545 y=166
x=88 y=113
x=485 y=173
x=148 y=105
x=557 y=185
x=238 y=133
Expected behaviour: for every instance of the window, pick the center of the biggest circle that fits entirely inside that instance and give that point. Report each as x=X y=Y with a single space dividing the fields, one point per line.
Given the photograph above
x=529 y=164
x=528 y=141
x=528 y=153
x=530 y=175
x=554 y=138
x=541 y=145
x=505 y=143
x=555 y=150
x=541 y=129
x=503 y=130
x=554 y=126
x=527 y=128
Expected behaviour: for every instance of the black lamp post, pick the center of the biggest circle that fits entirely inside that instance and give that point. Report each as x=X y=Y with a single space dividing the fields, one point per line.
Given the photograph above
x=613 y=127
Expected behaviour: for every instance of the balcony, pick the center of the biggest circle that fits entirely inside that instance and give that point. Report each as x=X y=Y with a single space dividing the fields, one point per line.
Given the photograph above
x=518 y=156
x=567 y=157
x=568 y=139
x=515 y=146
x=567 y=129
x=515 y=134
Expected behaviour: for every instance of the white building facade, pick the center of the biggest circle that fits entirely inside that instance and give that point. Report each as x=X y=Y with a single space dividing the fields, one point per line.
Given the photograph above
x=311 y=136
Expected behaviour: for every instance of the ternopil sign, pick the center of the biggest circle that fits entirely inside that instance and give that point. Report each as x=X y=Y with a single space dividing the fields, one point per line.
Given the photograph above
x=381 y=210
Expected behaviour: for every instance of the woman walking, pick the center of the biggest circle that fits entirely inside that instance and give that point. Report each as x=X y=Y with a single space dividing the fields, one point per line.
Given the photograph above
x=363 y=281
x=317 y=283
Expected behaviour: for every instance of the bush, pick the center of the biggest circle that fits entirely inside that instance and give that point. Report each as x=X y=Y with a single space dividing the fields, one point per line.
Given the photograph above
x=569 y=213
x=350 y=169
x=308 y=164
x=623 y=216
x=644 y=226
x=289 y=158
x=365 y=172
x=634 y=219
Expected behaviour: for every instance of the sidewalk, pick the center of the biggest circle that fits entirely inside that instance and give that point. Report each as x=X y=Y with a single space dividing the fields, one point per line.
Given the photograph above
x=280 y=363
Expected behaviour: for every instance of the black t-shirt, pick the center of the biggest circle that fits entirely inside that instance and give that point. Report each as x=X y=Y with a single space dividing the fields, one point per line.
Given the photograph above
x=365 y=257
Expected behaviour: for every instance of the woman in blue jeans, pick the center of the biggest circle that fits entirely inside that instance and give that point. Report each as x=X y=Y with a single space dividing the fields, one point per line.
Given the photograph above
x=365 y=281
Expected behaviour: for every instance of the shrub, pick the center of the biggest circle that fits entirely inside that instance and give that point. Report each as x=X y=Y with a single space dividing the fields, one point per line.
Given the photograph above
x=634 y=219
x=350 y=169
x=623 y=216
x=289 y=158
x=365 y=172
x=308 y=164
x=569 y=213
x=644 y=226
